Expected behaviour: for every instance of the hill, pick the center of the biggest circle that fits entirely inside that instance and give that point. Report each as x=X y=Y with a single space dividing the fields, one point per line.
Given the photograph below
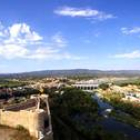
x=71 y=73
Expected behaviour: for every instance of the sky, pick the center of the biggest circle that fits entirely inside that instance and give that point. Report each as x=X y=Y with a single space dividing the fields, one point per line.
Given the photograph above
x=69 y=34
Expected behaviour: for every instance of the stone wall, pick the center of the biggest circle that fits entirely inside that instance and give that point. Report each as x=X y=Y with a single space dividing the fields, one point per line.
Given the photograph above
x=27 y=119
x=33 y=120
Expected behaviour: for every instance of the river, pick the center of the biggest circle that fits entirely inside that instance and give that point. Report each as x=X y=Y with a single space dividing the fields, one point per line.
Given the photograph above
x=113 y=125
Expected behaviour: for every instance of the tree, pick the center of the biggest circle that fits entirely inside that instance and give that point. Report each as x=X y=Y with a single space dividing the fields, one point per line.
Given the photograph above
x=104 y=86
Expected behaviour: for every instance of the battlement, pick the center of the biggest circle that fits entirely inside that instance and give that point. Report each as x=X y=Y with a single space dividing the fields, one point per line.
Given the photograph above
x=30 y=104
x=29 y=115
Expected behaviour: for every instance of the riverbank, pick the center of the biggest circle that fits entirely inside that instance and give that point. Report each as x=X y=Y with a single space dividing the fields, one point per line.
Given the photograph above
x=128 y=119
x=117 y=120
x=123 y=111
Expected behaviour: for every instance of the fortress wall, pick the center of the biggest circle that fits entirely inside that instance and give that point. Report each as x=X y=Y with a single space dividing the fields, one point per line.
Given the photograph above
x=37 y=121
x=10 y=118
x=34 y=123
x=27 y=119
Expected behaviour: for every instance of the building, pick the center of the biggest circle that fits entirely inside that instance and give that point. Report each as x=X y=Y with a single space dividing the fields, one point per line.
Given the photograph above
x=33 y=114
x=87 y=85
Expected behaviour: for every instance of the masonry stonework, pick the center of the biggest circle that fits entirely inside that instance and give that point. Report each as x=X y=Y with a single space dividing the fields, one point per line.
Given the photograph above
x=33 y=119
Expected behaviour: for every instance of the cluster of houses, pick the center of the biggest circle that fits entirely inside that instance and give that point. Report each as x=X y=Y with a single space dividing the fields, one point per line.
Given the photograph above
x=131 y=92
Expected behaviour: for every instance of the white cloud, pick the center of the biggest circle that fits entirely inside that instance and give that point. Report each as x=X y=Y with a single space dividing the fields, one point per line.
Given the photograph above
x=59 y=40
x=19 y=41
x=23 y=30
x=11 y=51
x=1 y=34
x=43 y=53
x=128 y=31
x=131 y=55
x=83 y=12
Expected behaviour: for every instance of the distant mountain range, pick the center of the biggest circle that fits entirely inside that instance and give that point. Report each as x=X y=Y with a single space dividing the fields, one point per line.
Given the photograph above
x=72 y=72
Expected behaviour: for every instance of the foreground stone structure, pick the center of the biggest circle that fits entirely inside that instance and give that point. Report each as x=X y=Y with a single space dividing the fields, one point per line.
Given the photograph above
x=31 y=116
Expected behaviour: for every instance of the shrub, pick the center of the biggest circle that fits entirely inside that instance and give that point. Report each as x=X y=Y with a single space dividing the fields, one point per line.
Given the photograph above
x=104 y=86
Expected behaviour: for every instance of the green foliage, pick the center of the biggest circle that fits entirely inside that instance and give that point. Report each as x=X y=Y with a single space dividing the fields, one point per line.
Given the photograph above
x=4 y=95
x=75 y=108
x=20 y=128
x=11 y=84
x=75 y=117
x=104 y=86
x=115 y=100
x=74 y=102
x=82 y=77
x=131 y=108
x=128 y=82
x=26 y=92
x=22 y=134
x=50 y=91
x=125 y=118
x=19 y=93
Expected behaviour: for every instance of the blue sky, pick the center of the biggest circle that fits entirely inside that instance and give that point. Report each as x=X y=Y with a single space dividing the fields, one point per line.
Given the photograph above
x=69 y=34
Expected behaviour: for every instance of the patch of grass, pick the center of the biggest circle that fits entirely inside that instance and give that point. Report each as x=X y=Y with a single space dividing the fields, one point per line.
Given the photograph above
x=20 y=128
x=126 y=119
x=22 y=134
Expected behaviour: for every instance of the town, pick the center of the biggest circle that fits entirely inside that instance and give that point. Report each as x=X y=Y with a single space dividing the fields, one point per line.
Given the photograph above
x=117 y=98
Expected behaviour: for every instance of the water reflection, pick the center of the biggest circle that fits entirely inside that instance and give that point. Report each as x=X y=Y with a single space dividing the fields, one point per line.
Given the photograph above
x=113 y=125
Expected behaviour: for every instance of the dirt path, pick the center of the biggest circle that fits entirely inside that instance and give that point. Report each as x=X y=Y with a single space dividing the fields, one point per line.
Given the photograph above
x=6 y=133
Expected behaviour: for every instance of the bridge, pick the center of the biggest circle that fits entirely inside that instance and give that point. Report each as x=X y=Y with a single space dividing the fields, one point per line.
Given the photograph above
x=86 y=85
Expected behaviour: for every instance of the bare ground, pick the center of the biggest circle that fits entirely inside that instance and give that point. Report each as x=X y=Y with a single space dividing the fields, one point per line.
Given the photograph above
x=6 y=133
x=14 y=134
